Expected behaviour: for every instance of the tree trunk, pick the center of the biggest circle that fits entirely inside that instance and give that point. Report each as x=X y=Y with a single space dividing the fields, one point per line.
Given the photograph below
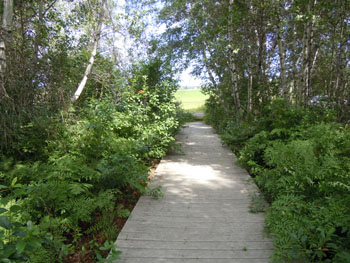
x=310 y=36
x=295 y=60
x=7 y=18
x=232 y=65
x=96 y=34
x=282 y=56
x=308 y=46
x=6 y=29
x=250 y=84
x=38 y=35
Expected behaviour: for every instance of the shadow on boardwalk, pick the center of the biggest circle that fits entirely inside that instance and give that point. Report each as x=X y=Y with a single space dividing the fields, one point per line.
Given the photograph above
x=204 y=215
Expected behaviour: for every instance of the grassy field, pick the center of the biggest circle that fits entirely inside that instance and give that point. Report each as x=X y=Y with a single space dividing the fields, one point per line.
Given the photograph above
x=191 y=100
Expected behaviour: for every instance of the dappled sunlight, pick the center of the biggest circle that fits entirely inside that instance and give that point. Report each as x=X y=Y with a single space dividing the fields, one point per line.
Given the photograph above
x=191 y=180
x=197 y=125
x=190 y=143
x=205 y=205
x=199 y=174
x=203 y=169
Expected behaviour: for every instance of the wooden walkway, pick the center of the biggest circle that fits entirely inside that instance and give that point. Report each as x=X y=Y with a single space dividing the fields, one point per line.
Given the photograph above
x=204 y=215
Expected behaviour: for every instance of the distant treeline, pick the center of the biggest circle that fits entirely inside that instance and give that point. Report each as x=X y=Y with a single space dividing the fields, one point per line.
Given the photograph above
x=190 y=87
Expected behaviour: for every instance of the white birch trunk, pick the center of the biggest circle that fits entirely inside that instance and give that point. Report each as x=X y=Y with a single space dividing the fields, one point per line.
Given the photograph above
x=88 y=69
x=7 y=19
x=6 y=29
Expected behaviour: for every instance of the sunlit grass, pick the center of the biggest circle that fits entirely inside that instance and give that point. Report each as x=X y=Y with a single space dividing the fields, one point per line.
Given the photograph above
x=198 y=109
x=191 y=100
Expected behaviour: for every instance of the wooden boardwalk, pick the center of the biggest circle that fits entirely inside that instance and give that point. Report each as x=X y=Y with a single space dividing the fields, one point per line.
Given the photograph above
x=204 y=215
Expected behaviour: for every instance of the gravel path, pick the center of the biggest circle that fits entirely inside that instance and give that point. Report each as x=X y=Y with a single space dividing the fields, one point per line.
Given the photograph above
x=204 y=215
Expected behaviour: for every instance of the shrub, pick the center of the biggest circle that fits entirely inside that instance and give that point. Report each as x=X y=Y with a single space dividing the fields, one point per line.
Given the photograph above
x=77 y=164
x=300 y=160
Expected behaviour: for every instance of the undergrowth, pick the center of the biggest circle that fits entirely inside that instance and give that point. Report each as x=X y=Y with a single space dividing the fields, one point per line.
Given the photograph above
x=62 y=177
x=300 y=160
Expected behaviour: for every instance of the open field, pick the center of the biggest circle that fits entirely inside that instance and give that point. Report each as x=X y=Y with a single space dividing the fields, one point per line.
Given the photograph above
x=191 y=100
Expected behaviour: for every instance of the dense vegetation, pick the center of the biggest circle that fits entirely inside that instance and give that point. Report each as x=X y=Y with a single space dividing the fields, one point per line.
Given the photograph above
x=71 y=167
x=277 y=73
x=300 y=159
x=86 y=104
x=74 y=168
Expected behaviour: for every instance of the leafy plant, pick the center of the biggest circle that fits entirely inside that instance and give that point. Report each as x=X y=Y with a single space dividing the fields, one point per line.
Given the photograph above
x=105 y=225
x=113 y=255
x=258 y=203
x=156 y=192
x=18 y=240
x=299 y=159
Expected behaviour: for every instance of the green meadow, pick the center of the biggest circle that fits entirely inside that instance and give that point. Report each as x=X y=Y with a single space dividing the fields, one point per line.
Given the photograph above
x=191 y=100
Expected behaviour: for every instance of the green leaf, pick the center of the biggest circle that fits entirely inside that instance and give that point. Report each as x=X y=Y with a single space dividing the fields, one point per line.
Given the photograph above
x=35 y=243
x=16 y=224
x=3 y=210
x=14 y=181
x=78 y=188
x=99 y=257
x=303 y=239
x=15 y=208
x=20 y=246
x=20 y=234
x=3 y=187
x=5 y=222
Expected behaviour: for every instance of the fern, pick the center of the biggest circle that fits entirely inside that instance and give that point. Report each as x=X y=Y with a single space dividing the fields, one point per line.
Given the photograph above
x=122 y=212
x=105 y=225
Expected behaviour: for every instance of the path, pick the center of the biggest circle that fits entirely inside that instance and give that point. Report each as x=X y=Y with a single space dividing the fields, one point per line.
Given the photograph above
x=204 y=215
x=198 y=115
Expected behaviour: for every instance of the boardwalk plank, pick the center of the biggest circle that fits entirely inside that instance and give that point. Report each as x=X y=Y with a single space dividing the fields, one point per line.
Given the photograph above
x=200 y=245
x=204 y=216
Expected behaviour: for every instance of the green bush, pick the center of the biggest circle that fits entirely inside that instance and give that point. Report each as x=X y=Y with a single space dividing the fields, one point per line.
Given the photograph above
x=75 y=165
x=317 y=230
x=214 y=114
x=300 y=159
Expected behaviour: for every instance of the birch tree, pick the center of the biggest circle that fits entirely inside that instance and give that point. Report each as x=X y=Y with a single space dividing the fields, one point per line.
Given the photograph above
x=7 y=18
x=232 y=62
x=96 y=38
x=282 y=56
x=254 y=51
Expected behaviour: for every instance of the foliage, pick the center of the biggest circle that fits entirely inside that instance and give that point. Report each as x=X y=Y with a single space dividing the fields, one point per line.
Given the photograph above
x=18 y=238
x=215 y=115
x=257 y=203
x=251 y=52
x=76 y=164
x=156 y=192
x=184 y=116
x=299 y=159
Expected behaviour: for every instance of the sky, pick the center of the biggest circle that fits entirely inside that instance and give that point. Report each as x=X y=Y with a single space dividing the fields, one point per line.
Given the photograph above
x=185 y=77
x=122 y=41
x=187 y=80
